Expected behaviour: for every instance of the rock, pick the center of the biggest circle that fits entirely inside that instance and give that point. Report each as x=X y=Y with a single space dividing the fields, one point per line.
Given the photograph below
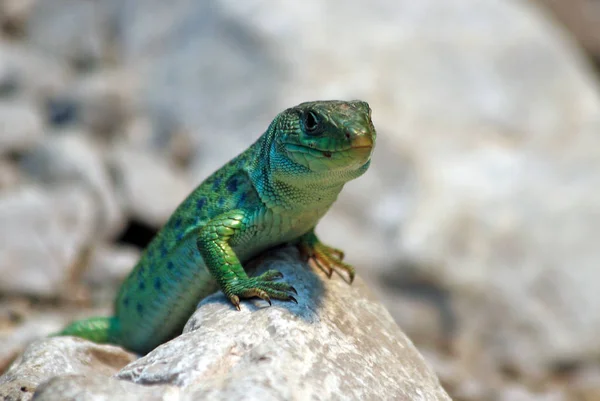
x=150 y=187
x=521 y=393
x=10 y=176
x=52 y=357
x=585 y=383
x=79 y=32
x=14 y=15
x=71 y=157
x=28 y=74
x=102 y=102
x=43 y=236
x=161 y=135
x=22 y=127
x=25 y=326
x=337 y=343
x=109 y=265
x=581 y=18
x=100 y=388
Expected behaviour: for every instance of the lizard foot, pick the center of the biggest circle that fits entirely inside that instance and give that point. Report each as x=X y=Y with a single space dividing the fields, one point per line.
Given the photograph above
x=326 y=258
x=262 y=287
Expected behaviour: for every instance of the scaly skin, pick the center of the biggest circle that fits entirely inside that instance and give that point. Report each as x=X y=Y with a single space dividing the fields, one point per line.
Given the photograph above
x=273 y=193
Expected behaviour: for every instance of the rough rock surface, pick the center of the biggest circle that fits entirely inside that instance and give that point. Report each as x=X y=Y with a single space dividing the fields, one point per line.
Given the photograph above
x=337 y=343
x=49 y=358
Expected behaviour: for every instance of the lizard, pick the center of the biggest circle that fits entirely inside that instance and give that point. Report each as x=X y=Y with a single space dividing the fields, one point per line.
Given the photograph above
x=273 y=193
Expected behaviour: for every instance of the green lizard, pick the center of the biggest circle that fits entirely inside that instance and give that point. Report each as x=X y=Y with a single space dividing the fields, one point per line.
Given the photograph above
x=273 y=193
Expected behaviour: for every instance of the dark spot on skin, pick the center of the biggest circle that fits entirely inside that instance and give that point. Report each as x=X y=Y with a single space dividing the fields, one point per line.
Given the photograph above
x=170 y=265
x=241 y=200
x=216 y=184
x=142 y=285
x=232 y=185
x=163 y=250
x=177 y=222
x=327 y=154
x=139 y=308
x=221 y=201
x=157 y=283
x=126 y=301
x=200 y=203
x=179 y=236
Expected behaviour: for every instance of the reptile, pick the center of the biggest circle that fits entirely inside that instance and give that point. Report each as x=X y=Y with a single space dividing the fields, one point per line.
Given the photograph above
x=271 y=194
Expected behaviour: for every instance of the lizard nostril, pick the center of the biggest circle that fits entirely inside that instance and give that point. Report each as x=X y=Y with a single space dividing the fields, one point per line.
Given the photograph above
x=347 y=135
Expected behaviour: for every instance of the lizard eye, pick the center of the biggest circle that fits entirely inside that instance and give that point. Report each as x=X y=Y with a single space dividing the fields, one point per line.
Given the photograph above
x=311 y=122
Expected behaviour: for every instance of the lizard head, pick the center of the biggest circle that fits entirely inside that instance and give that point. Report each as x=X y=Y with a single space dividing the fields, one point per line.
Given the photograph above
x=325 y=138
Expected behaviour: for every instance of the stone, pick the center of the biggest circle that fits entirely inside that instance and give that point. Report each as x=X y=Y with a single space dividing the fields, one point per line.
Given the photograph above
x=338 y=342
x=150 y=188
x=581 y=18
x=30 y=75
x=21 y=128
x=106 y=101
x=99 y=388
x=71 y=157
x=79 y=32
x=52 y=357
x=10 y=176
x=108 y=267
x=43 y=237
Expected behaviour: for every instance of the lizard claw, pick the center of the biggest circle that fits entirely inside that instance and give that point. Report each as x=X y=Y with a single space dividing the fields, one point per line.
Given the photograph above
x=326 y=258
x=235 y=300
x=262 y=287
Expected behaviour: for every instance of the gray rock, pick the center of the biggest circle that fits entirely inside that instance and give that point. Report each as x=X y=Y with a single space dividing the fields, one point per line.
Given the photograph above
x=21 y=128
x=581 y=18
x=70 y=157
x=150 y=187
x=105 y=100
x=98 y=388
x=337 y=343
x=43 y=236
x=108 y=267
x=28 y=74
x=10 y=177
x=80 y=32
x=45 y=359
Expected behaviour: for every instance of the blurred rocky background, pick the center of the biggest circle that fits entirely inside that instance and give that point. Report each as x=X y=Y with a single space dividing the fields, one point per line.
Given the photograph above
x=478 y=224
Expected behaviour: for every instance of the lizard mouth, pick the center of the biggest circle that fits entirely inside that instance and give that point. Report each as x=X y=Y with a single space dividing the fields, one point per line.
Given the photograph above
x=325 y=153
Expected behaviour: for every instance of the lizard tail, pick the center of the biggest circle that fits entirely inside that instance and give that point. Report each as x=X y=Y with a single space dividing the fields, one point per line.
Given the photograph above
x=97 y=329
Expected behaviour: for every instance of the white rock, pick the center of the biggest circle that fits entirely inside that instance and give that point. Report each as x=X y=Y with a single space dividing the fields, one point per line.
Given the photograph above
x=43 y=235
x=71 y=157
x=150 y=187
x=21 y=126
x=337 y=343
x=53 y=357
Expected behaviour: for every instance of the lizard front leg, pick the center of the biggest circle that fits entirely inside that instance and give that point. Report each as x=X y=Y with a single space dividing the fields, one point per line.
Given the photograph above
x=325 y=257
x=214 y=245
